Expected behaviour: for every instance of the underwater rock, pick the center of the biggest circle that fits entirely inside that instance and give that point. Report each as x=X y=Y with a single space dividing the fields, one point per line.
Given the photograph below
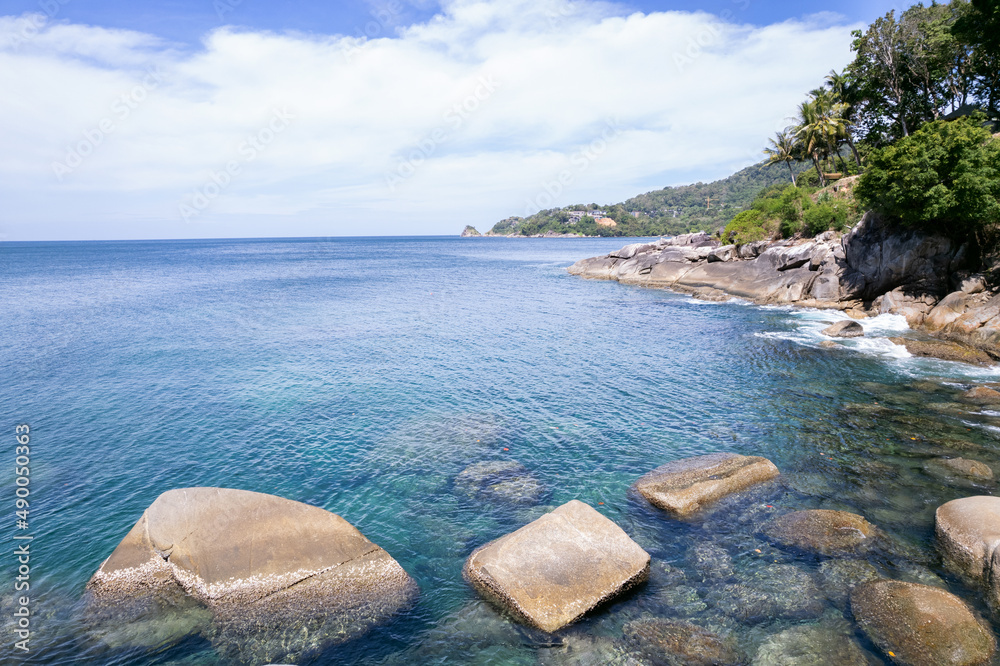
x=711 y=561
x=776 y=591
x=811 y=645
x=844 y=329
x=272 y=571
x=585 y=650
x=839 y=577
x=982 y=395
x=499 y=481
x=972 y=469
x=685 y=486
x=917 y=625
x=968 y=531
x=822 y=532
x=672 y=643
x=552 y=571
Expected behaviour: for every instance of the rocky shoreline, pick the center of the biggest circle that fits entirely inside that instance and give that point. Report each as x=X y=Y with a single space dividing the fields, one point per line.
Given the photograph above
x=871 y=270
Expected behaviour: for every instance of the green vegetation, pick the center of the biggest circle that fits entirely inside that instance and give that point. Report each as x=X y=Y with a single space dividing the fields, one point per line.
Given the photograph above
x=944 y=178
x=908 y=113
x=786 y=211
x=672 y=210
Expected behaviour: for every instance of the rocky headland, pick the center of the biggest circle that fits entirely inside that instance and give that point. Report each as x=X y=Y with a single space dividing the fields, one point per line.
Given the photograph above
x=873 y=269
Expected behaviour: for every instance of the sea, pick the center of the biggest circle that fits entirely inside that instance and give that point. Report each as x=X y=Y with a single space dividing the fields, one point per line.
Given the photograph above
x=363 y=375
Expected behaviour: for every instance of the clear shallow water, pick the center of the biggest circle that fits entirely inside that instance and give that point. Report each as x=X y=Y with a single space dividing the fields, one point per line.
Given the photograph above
x=362 y=375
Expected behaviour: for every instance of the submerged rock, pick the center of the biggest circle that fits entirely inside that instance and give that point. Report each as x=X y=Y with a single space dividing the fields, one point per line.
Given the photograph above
x=499 y=480
x=777 y=591
x=281 y=578
x=844 y=329
x=968 y=531
x=685 y=486
x=822 y=532
x=917 y=625
x=982 y=395
x=673 y=643
x=841 y=576
x=711 y=561
x=811 y=645
x=972 y=469
x=552 y=571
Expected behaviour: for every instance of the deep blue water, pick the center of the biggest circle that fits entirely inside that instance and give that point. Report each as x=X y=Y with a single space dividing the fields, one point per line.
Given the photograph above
x=353 y=374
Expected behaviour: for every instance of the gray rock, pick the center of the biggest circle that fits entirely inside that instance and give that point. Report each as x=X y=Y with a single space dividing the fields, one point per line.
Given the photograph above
x=710 y=561
x=673 y=643
x=683 y=487
x=970 y=469
x=266 y=567
x=917 y=625
x=968 y=532
x=499 y=481
x=724 y=253
x=822 y=532
x=811 y=645
x=551 y=572
x=839 y=577
x=777 y=591
x=847 y=328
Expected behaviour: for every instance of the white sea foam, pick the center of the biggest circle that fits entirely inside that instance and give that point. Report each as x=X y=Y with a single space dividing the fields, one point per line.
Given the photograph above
x=875 y=342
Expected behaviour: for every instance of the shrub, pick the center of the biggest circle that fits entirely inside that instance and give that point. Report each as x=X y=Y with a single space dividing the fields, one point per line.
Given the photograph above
x=944 y=178
x=746 y=227
x=823 y=216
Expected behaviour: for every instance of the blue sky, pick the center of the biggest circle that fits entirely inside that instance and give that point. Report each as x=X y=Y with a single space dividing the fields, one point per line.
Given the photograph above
x=226 y=118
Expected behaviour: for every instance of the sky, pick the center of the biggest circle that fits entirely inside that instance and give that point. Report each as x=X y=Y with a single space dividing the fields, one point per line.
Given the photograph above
x=246 y=118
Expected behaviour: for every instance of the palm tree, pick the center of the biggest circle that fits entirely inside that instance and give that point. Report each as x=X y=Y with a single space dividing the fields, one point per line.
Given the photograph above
x=783 y=149
x=811 y=136
x=841 y=86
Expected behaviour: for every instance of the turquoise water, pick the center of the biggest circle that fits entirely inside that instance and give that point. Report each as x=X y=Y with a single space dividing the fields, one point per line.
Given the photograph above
x=362 y=375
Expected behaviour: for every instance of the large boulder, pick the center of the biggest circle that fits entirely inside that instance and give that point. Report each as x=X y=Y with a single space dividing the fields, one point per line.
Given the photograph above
x=683 y=487
x=847 y=328
x=822 y=532
x=968 y=532
x=280 y=577
x=919 y=625
x=553 y=570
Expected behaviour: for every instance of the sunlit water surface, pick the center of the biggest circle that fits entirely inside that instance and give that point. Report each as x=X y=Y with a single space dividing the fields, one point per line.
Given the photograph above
x=362 y=375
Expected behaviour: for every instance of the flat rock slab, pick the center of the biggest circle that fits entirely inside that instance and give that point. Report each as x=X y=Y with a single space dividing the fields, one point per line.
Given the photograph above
x=553 y=570
x=683 y=487
x=968 y=531
x=260 y=563
x=919 y=625
x=844 y=329
x=822 y=532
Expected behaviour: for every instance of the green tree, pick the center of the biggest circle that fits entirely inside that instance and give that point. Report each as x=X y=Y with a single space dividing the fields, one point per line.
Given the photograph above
x=945 y=178
x=783 y=149
x=979 y=29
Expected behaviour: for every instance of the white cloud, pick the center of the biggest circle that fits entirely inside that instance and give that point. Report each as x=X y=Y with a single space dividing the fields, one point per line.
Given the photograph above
x=467 y=118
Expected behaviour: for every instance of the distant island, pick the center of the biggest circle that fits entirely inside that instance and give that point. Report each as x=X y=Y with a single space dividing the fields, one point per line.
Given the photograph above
x=666 y=212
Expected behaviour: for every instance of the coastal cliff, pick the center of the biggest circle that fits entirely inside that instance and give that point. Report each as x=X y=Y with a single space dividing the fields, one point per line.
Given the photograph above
x=873 y=269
